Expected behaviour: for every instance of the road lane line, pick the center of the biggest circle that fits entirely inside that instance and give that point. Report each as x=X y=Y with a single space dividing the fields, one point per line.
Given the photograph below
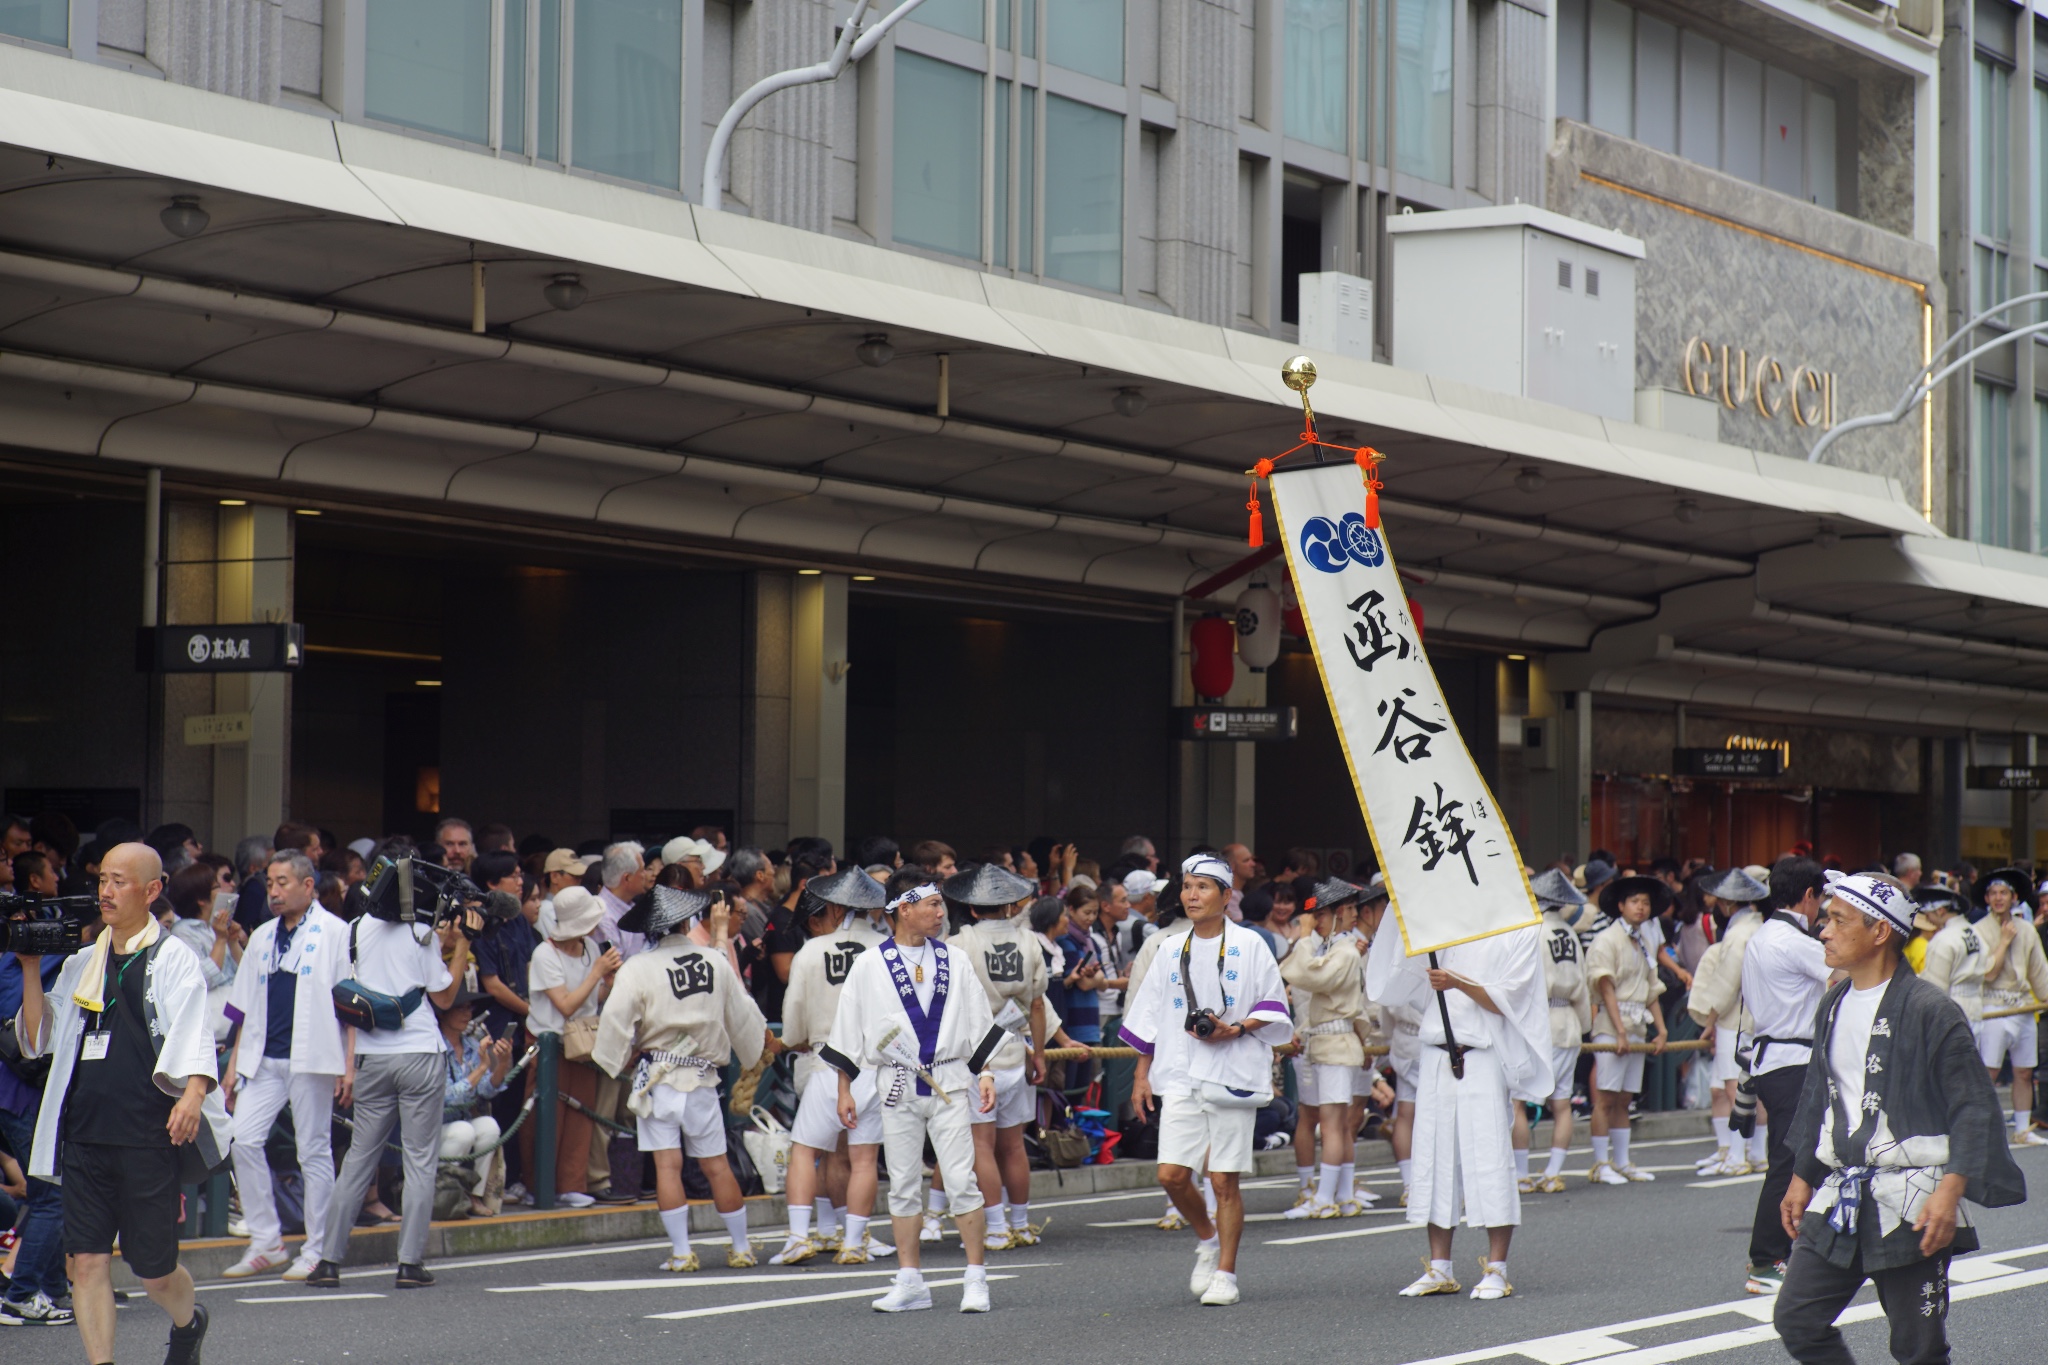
x=1341 y=1236
x=789 y=1278
x=755 y=1305
x=311 y=1298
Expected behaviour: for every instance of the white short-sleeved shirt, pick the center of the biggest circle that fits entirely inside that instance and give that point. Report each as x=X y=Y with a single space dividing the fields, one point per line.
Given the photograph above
x=389 y=958
x=551 y=966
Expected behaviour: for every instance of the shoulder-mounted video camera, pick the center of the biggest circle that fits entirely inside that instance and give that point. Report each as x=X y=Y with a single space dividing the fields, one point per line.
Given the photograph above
x=412 y=891
x=47 y=926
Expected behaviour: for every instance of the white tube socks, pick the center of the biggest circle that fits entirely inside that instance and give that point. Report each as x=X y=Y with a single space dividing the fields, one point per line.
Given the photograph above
x=1724 y=1136
x=1759 y=1146
x=1326 y=1184
x=1407 y=1170
x=935 y=1202
x=1020 y=1215
x=1601 y=1147
x=736 y=1226
x=1556 y=1166
x=1620 y=1140
x=1347 y=1181
x=677 y=1224
x=1306 y=1175
x=856 y=1230
x=1521 y=1163
x=799 y=1224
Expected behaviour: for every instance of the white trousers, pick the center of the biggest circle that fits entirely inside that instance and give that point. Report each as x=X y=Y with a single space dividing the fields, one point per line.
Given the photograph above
x=904 y=1129
x=1464 y=1162
x=258 y=1101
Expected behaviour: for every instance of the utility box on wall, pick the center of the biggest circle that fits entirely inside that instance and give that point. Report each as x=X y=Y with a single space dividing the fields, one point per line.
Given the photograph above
x=1519 y=300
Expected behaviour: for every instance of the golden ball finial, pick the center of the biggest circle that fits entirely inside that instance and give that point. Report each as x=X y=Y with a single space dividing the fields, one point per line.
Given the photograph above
x=1298 y=374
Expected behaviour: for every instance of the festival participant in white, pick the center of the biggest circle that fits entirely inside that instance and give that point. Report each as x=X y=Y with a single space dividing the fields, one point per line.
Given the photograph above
x=1715 y=1003
x=1008 y=963
x=1895 y=1127
x=289 y=1050
x=130 y=1098
x=816 y=976
x=1492 y=991
x=1957 y=957
x=2015 y=974
x=1165 y=915
x=1323 y=966
x=1205 y=1022
x=914 y=1027
x=1621 y=968
x=677 y=1013
x=1571 y=1014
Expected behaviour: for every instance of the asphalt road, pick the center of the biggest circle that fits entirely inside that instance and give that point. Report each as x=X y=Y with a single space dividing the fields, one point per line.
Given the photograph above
x=1641 y=1274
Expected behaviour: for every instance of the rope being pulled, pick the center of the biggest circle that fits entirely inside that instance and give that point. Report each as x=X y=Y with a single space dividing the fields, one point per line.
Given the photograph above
x=1075 y=1054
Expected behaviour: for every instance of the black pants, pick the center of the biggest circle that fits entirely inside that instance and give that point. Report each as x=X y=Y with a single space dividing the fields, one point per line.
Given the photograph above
x=1915 y=1300
x=1779 y=1092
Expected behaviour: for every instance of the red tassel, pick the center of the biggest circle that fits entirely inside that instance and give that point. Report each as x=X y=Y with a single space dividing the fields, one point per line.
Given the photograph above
x=1255 y=534
x=1372 y=507
x=1366 y=459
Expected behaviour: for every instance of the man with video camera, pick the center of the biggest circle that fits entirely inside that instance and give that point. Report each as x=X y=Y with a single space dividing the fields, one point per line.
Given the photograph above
x=132 y=1082
x=393 y=1067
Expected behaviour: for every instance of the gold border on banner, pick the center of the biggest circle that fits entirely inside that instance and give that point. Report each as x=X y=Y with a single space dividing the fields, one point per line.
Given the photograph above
x=1294 y=567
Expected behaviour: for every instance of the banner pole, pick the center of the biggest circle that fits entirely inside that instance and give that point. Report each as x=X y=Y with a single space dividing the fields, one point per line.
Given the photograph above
x=1450 y=1039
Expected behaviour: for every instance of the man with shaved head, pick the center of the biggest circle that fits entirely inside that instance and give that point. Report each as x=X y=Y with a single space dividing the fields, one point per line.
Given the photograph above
x=131 y=1085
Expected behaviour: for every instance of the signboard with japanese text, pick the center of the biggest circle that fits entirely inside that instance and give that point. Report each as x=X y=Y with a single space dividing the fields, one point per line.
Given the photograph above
x=263 y=648
x=2005 y=777
x=1727 y=762
x=1453 y=872
x=1259 y=723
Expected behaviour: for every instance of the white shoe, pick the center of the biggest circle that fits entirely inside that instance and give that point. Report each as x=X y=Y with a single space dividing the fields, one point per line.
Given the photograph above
x=973 y=1297
x=1637 y=1175
x=237 y=1227
x=574 y=1200
x=1433 y=1281
x=256 y=1262
x=1205 y=1268
x=904 y=1298
x=1310 y=1210
x=1222 y=1291
x=300 y=1269
x=1603 y=1173
x=930 y=1231
x=1495 y=1283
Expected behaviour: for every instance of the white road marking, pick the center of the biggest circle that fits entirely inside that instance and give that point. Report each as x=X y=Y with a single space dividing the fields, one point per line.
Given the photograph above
x=1340 y=1236
x=312 y=1298
x=1724 y=1182
x=788 y=1279
x=755 y=1305
x=1249 y=1218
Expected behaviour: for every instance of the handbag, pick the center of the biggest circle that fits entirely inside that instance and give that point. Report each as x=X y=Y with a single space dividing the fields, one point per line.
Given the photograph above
x=1067 y=1147
x=362 y=1008
x=1217 y=1095
x=768 y=1143
x=579 y=1039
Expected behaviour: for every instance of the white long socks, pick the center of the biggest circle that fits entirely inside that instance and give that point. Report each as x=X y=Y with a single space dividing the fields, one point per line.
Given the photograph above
x=1306 y=1175
x=1347 y=1180
x=828 y=1217
x=856 y=1231
x=799 y=1224
x=1209 y=1196
x=1724 y=1136
x=1406 y=1168
x=1619 y=1137
x=1326 y=1185
x=1556 y=1166
x=1759 y=1146
x=2022 y=1119
x=677 y=1224
x=1020 y=1216
x=935 y=1202
x=1601 y=1147
x=1521 y=1163
x=736 y=1226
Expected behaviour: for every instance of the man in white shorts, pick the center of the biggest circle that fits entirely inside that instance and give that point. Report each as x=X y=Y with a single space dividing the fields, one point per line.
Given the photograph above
x=1205 y=1023
x=1010 y=966
x=2015 y=974
x=1322 y=967
x=1715 y=1003
x=1571 y=1014
x=1619 y=967
x=840 y=905
x=677 y=1013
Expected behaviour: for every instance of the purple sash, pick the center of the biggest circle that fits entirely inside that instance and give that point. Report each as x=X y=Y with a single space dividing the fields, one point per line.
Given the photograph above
x=925 y=1025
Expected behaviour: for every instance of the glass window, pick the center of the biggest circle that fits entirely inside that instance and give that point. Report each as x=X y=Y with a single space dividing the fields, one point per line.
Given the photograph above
x=1742 y=104
x=1087 y=36
x=2041 y=486
x=1000 y=250
x=1992 y=475
x=1784 y=131
x=954 y=16
x=1987 y=281
x=427 y=65
x=2040 y=171
x=1820 y=147
x=1656 y=83
x=629 y=89
x=1027 y=182
x=937 y=198
x=1610 y=64
x=1422 y=88
x=1316 y=80
x=45 y=21
x=1084 y=193
x=1991 y=138
x=512 y=134
x=548 y=103
x=1571 y=59
x=1699 y=99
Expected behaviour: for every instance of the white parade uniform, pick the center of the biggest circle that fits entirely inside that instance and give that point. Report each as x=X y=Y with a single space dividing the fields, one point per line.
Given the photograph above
x=2021 y=978
x=1570 y=1002
x=1717 y=992
x=1957 y=956
x=1625 y=957
x=677 y=1013
x=1209 y=1093
x=1009 y=965
x=944 y=1019
x=1463 y=1160
x=816 y=976
x=1329 y=993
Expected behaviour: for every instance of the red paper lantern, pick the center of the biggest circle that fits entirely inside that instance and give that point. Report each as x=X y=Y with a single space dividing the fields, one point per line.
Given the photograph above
x=1213 y=641
x=1415 y=615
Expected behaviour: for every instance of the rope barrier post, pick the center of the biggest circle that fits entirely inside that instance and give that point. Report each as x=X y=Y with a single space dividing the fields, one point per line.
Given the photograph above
x=547 y=1122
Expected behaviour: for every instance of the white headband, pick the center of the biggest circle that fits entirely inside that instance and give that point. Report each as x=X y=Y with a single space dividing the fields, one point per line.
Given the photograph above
x=1207 y=865
x=1880 y=900
x=915 y=893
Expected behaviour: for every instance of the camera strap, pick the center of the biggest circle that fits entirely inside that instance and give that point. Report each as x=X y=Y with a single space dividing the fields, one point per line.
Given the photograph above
x=1187 y=951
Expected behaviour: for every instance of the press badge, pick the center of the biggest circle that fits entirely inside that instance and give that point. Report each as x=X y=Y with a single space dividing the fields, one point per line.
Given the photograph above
x=96 y=1046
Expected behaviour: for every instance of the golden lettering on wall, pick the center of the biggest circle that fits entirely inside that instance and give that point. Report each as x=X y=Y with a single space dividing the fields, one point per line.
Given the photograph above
x=1724 y=371
x=1782 y=747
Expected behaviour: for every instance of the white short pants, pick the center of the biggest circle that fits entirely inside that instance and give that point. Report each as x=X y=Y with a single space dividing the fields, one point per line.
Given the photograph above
x=905 y=1129
x=1016 y=1099
x=1318 y=1083
x=1189 y=1127
x=1726 y=1068
x=817 y=1123
x=692 y=1120
x=1361 y=1081
x=2019 y=1035
x=1615 y=1073
x=1564 y=1066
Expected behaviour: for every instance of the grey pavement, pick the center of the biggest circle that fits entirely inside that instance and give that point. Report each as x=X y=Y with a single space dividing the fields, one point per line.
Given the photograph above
x=1647 y=1273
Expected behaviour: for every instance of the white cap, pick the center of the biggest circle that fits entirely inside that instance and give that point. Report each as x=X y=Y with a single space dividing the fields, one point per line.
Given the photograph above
x=1138 y=883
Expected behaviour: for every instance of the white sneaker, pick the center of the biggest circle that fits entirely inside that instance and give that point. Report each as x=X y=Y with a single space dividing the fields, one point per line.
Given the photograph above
x=905 y=1298
x=1205 y=1268
x=256 y=1262
x=930 y=1231
x=973 y=1297
x=1495 y=1284
x=1603 y=1173
x=574 y=1200
x=1222 y=1291
x=1637 y=1175
x=1310 y=1210
x=300 y=1269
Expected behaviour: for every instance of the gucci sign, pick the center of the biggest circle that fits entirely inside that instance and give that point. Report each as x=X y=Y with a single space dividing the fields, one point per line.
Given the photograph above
x=1723 y=372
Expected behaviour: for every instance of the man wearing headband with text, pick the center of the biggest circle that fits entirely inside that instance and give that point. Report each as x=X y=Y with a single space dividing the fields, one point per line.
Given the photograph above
x=914 y=1026
x=1896 y=1126
x=1205 y=1022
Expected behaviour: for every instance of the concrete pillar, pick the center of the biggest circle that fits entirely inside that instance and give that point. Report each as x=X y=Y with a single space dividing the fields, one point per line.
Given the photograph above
x=1575 y=770
x=253 y=582
x=763 y=816
x=817 y=707
x=2020 y=834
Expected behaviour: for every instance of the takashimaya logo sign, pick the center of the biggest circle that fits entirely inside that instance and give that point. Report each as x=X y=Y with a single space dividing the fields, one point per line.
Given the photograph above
x=1774 y=388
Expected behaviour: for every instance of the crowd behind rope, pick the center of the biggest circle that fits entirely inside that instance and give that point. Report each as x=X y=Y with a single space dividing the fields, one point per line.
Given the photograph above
x=334 y=1128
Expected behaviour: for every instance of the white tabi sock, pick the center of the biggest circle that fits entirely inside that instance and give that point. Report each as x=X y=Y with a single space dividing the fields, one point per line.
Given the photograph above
x=736 y=1225
x=677 y=1222
x=1347 y=1179
x=1326 y=1184
x=1521 y=1163
x=2021 y=1118
x=996 y=1216
x=836 y=1221
x=935 y=1202
x=799 y=1223
x=1407 y=1169
x=828 y=1222
x=1724 y=1136
x=1556 y=1166
x=1442 y=1268
x=1759 y=1146
x=1020 y=1215
x=1600 y=1149
x=856 y=1230
x=1306 y=1175
x=1620 y=1137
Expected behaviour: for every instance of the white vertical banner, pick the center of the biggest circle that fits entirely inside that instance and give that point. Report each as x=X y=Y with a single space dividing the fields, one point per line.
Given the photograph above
x=1453 y=872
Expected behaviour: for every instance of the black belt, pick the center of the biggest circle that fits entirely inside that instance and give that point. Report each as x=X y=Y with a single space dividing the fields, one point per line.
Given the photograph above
x=1763 y=1041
